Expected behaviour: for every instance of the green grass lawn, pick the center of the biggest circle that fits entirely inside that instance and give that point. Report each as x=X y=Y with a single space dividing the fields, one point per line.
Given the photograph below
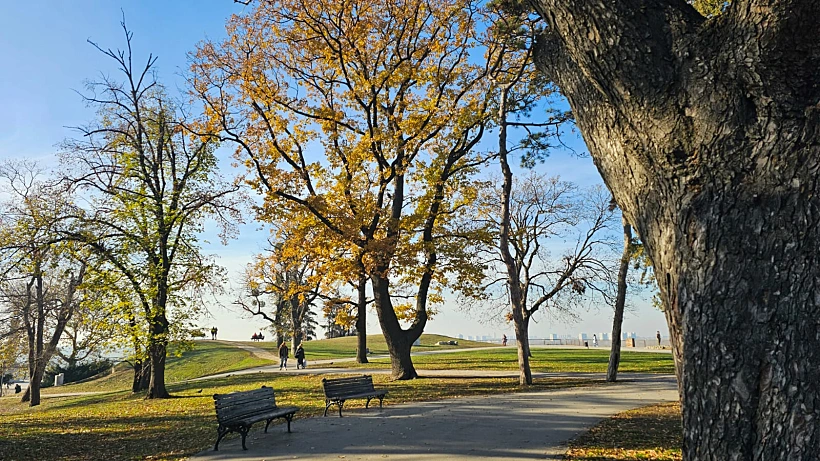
x=346 y=347
x=123 y=426
x=206 y=358
x=543 y=360
x=118 y=425
x=652 y=432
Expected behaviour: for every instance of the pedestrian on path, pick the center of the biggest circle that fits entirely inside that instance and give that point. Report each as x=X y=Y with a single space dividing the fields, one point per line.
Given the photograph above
x=658 y=335
x=503 y=340
x=283 y=356
x=214 y=330
x=594 y=340
x=300 y=357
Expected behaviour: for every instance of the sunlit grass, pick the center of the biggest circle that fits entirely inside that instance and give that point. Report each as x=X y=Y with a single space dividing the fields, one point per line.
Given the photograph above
x=543 y=360
x=120 y=426
x=345 y=347
x=206 y=358
x=652 y=432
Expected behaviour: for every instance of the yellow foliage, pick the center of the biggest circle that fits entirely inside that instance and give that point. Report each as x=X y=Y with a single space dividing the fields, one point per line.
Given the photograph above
x=355 y=121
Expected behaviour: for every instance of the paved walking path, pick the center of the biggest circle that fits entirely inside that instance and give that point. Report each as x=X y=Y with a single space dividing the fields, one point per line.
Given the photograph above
x=509 y=427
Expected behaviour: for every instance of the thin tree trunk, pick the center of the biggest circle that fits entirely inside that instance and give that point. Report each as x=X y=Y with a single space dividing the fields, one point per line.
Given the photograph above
x=517 y=298
x=32 y=394
x=142 y=375
x=522 y=339
x=620 y=301
x=361 y=321
x=296 y=323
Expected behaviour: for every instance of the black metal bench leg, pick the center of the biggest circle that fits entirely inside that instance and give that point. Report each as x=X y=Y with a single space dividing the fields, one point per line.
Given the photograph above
x=289 y=418
x=221 y=431
x=328 y=403
x=244 y=431
x=341 y=404
x=267 y=424
x=381 y=400
x=366 y=405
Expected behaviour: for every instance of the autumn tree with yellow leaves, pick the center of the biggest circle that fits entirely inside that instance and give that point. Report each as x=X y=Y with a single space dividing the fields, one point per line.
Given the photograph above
x=363 y=116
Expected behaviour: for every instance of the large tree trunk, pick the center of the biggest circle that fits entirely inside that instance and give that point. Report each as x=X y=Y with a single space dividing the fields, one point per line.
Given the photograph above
x=399 y=341
x=156 y=388
x=620 y=301
x=361 y=321
x=706 y=133
x=157 y=352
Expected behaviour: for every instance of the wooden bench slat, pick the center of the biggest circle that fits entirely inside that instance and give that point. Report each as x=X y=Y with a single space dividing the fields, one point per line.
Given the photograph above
x=228 y=399
x=238 y=411
x=337 y=390
x=253 y=409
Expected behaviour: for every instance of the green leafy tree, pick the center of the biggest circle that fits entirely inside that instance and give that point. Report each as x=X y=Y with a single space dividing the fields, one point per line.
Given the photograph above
x=151 y=186
x=41 y=273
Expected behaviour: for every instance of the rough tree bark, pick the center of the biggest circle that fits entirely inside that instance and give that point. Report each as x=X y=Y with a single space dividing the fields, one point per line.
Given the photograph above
x=157 y=351
x=620 y=301
x=706 y=132
x=399 y=341
x=361 y=320
x=142 y=375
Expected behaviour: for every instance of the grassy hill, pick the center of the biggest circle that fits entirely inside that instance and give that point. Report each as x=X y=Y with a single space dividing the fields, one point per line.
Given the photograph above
x=335 y=348
x=206 y=358
x=214 y=357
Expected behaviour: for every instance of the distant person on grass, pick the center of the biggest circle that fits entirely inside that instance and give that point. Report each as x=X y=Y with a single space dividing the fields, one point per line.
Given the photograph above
x=213 y=332
x=594 y=341
x=283 y=356
x=503 y=340
x=300 y=358
x=658 y=335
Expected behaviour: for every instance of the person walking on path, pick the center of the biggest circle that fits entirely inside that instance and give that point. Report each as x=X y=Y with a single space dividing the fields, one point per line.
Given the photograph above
x=503 y=340
x=283 y=356
x=300 y=357
x=594 y=340
x=214 y=330
x=658 y=335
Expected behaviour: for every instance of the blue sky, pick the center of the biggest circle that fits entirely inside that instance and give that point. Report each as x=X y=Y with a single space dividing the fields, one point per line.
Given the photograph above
x=45 y=59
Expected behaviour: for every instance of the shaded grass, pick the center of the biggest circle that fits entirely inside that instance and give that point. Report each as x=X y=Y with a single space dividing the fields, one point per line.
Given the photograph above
x=122 y=426
x=207 y=358
x=345 y=347
x=652 y=432
x=543 y=360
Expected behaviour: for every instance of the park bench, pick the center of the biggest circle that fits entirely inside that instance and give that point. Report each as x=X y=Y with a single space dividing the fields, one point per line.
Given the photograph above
x=238 y=411
x=337 y=390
